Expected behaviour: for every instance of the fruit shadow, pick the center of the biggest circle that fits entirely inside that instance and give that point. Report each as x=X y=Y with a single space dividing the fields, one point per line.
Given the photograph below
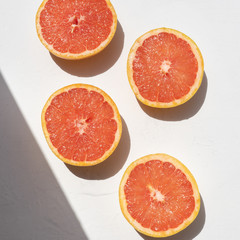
x=97 y=64
x=32 y=204
x=188 y=233
x=111 y=165
x=184 y=111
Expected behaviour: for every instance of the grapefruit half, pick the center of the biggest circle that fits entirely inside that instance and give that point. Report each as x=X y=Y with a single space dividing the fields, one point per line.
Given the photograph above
x=165 y=68
x=76 y=29
x=81 y=124
x=158 y=195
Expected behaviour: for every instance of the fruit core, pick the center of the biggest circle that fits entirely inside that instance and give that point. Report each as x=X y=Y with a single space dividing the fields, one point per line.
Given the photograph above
x=75 y=21
x=81 y=124
x=165 y=66
x=156 y=194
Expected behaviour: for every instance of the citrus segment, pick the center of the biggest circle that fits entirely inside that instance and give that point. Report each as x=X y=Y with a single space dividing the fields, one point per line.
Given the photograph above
x=76 y=29
x=165 y=68
x=158 y=195
x=81 y=124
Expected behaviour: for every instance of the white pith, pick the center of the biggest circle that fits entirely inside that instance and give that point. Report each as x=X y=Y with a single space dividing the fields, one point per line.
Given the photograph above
x=156 y=194
x=165 y=66
x=81 y=125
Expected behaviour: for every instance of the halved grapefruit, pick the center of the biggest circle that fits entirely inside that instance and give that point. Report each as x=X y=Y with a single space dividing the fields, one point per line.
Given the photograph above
x=81 y=124
x=76 y=29
x=165 y=68
x=158 y=195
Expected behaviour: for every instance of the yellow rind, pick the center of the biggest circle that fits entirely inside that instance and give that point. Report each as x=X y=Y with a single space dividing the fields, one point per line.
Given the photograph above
x=87 y=53
x=194 y=88
x=117 y=117
x=123 y=204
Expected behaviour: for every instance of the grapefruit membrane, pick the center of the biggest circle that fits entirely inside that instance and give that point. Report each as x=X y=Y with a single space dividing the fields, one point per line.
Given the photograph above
x=158 y=195
x=81 y=124
x=165 y=68
x=76 y=29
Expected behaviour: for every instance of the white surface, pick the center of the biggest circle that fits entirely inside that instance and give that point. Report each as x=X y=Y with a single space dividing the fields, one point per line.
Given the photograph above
x=42 y=198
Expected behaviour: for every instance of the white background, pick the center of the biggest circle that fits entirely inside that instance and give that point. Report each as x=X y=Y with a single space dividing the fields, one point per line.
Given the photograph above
x=42 y=198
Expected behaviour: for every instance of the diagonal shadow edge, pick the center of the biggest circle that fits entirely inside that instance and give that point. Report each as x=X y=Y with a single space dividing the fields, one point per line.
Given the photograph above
x=32 y=204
